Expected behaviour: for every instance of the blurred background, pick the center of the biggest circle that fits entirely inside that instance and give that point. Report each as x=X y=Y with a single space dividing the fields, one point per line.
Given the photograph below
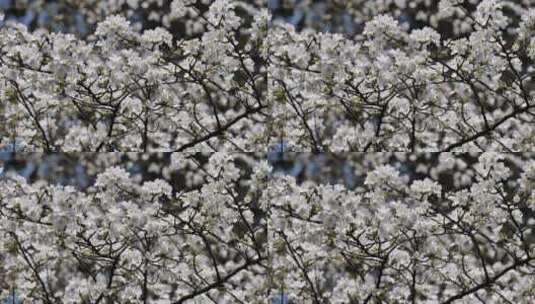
x=80 y=17
x=80 y=169
x=334 y=16
x=348 y=17
x=349 y=169
x=321 y=15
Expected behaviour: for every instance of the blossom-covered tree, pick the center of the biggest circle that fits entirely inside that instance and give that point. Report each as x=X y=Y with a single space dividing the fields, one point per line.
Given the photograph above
x=457 y=77
x=122 y=240
x=125 y=89
x=459 y=233
x=433 y=228
x=218 y=76
x=219 y=104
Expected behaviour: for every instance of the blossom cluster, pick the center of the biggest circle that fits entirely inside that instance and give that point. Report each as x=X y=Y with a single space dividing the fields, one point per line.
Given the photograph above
x=459 y=80
x=126 y=89
x=436 y=210
x=457 y=77
x=399 y=239
x=124 y=240
x=427 y=228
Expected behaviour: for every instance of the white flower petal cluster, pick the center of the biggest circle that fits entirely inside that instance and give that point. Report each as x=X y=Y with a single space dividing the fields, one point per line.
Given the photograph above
x=123 y=240
x=217 y=77
x=125 y=89
x=417 y=76
x=244 y=233
x=428 y=84
x=455 y=247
